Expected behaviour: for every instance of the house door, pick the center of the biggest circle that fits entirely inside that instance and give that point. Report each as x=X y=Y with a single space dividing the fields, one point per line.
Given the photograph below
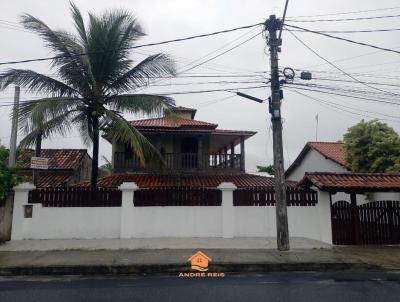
x=189 y=149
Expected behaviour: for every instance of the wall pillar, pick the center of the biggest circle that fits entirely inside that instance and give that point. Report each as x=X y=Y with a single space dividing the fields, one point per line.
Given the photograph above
x=323 y=219
x=354 y=218
x=200 y=153
x=127 y=209
x=20 y=200
x=232 y=155
x=228 y=212
x=242 y=154
x=225 y=156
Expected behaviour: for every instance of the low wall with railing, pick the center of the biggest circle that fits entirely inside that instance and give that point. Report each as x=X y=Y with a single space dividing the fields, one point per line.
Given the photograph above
x=131 y=212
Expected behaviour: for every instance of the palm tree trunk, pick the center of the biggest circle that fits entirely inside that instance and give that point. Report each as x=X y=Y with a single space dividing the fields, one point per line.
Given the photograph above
x=95 y=160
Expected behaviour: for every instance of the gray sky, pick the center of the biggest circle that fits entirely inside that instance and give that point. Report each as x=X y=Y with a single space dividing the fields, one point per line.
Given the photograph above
x=170 y=19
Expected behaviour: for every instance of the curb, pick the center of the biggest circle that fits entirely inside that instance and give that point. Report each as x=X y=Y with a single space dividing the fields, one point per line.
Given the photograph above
x=175 y=269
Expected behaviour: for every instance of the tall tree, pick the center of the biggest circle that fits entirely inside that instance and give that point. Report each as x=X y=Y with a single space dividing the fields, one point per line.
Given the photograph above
x=94 y=83
x=372 y=147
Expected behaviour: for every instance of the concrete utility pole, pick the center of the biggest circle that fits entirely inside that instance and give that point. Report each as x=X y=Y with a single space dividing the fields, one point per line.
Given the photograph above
x=272 y=25
x=38 y=149
x=14 y=129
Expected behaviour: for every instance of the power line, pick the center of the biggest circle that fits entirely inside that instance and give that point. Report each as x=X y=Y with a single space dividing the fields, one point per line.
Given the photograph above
x=348 y=96
x=212 y=102
x=345 y=19
x=349 y=90
x=208 y=60
x=220 y=48
x=363 y=74
x=222 y=53
x=338 y=106
x=213 y=90
x=231 y=89
x=211 y=82
x=350 y=58
x=338 y=68
x=353 y=31
x=348 y=81
x=137 y=46
x=343 y=39
x=350 y=12
x=283 y=18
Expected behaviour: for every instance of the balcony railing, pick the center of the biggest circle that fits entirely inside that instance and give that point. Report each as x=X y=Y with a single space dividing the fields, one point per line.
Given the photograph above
x=180 y=161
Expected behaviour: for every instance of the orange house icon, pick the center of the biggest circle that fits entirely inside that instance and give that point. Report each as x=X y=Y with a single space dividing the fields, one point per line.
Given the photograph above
x=199 y=261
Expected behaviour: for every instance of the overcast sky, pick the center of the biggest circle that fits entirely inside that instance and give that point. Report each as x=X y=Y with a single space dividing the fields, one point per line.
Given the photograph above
x=170 y=19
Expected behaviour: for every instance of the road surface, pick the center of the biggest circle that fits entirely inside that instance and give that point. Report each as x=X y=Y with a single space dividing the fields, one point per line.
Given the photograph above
x=308 y=287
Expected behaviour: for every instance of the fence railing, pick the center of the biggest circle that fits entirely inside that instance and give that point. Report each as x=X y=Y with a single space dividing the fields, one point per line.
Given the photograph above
x=180 y=161
x=265 y=196
x=76 y=197
x=375 y=222
x=178 y=196
x=166 y=196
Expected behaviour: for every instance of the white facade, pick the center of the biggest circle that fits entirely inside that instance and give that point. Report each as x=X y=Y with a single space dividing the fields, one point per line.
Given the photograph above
x=314 y=161
x=129 y=221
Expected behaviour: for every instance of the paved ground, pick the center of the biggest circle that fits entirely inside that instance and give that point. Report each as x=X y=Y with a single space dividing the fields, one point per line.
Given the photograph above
x=157 y=243
x=171 y=261
x=170 y=255
x=307 y=287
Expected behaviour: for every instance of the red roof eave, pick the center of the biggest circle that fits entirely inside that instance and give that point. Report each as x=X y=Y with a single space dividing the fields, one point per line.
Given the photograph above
x=352 y=182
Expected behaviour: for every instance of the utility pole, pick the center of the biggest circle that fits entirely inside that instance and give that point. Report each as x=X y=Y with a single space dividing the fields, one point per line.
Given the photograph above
x=272 y=25
x=38 y=149
x=14 y=129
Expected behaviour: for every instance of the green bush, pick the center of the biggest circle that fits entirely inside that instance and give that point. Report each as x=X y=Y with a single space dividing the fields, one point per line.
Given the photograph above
x=8 y=176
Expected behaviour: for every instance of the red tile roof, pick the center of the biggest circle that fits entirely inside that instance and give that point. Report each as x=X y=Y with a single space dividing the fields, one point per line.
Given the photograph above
x=333 y=151
x=63 y=159
x=161 y=180
x=172 y=123
x=51 y=179
x=352 y=182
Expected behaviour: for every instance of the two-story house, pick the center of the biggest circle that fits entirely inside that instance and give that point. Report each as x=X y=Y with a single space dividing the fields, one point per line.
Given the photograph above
x=195 y=153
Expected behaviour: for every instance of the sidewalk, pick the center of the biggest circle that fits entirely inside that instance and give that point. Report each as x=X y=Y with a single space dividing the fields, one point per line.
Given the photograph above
x=167 y=256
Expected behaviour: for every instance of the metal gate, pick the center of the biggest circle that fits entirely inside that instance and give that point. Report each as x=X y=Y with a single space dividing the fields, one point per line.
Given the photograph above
x=376 y=222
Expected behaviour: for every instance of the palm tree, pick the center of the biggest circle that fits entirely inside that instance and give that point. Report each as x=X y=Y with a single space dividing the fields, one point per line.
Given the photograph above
x=93 y=84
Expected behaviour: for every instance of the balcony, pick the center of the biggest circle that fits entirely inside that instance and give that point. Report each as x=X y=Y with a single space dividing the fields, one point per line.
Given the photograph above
x=181 y=162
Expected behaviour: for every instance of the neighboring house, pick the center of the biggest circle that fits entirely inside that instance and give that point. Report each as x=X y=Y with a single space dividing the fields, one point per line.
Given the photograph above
x=323 y=164
x=66 y=167
x=196 y=154
x=318 y=157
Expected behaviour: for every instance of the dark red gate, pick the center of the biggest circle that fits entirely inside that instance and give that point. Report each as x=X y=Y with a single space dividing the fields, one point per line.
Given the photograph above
x=375 y=222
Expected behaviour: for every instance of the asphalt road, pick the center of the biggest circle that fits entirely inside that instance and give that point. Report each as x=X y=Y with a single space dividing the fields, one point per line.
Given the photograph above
x=269 y=287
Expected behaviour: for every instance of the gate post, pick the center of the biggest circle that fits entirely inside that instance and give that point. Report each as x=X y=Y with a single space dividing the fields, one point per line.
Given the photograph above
x=127 y=209
x=20 y=200
x=355 y=219
x=390 y=212
x=228 y=212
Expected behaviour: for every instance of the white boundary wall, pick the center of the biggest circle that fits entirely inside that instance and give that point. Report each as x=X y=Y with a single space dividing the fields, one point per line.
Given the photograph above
x=128 y=221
